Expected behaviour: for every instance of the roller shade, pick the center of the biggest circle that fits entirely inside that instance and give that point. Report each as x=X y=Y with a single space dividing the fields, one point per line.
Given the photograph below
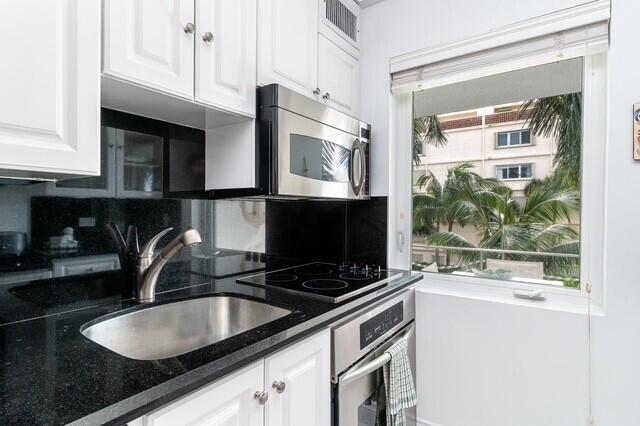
x=534 y=82
x=571 y=33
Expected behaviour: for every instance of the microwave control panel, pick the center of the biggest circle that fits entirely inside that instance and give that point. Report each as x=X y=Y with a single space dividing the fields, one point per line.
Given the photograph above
x=375 y=327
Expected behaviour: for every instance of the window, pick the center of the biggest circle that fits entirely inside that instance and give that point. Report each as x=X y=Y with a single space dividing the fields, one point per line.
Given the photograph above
x=517 y=138
x=476 y=217
x=514 y=171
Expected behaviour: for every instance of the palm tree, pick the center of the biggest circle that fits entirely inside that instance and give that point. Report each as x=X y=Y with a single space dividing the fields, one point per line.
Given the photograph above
x=541 y=222
x=427 y=130
x=445 y=204
x=559 y=117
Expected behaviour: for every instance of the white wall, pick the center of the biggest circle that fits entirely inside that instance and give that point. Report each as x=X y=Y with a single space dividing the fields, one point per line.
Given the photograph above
x=482 y=363
x=616 y=337
x=397 y=26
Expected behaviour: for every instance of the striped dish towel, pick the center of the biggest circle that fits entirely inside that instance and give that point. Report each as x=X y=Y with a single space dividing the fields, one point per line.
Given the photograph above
x=398 y=383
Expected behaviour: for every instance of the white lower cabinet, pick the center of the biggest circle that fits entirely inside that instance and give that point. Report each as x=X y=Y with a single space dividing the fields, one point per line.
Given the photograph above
x=304 y=370
x=227 y=402
x=295 y=384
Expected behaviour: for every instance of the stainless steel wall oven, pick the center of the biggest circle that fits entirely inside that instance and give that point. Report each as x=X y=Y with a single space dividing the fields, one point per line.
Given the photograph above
x=358 y=354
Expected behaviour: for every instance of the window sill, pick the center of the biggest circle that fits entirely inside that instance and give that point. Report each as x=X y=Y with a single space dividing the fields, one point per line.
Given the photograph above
x=557 y=298
x=515 y=179
x=515 y=146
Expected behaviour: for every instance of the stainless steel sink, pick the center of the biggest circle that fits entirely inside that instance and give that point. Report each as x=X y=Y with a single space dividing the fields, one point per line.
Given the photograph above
x=172 y=329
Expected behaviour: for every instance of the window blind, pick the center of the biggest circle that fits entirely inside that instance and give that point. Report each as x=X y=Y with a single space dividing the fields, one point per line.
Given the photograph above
x=521 y=45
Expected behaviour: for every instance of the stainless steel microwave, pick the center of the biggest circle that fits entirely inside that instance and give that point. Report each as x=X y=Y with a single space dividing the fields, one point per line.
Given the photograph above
x=309 y=150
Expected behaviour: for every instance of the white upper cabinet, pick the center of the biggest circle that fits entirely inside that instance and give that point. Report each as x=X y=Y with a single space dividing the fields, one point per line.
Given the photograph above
x=338 y=76
x=299 y=380
x=49 y=88
x=150 y=42
x=288 y=44
x=340 y=23
x=310 y=46
x=226 y=54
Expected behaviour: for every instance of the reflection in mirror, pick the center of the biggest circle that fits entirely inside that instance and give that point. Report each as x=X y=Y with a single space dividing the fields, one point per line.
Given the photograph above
x=56 y=253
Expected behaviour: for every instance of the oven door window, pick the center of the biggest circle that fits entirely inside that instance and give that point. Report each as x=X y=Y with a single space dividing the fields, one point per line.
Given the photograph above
x=372 y=411
x=319 y=159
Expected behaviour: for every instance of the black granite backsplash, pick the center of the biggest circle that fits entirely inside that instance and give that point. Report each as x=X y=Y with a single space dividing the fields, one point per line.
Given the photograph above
x=328 y=230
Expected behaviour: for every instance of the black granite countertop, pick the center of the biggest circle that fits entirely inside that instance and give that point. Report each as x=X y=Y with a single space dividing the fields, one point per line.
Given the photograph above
x=52 y=375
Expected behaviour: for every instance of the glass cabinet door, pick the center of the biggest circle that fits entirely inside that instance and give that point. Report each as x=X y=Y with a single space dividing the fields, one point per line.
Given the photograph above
x=140 y=164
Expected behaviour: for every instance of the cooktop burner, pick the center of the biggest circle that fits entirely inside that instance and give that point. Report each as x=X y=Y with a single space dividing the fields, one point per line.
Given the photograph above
x=323 y=281
x=324 y=284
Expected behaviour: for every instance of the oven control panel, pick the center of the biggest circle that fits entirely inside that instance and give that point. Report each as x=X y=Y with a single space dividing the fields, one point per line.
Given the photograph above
x=375 y=327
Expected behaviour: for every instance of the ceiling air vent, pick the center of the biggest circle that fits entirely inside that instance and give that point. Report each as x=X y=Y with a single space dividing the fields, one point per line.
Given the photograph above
x=343 y=18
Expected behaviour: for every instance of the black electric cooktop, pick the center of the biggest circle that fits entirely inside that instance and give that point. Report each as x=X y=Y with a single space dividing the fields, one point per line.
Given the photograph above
x=324 y=281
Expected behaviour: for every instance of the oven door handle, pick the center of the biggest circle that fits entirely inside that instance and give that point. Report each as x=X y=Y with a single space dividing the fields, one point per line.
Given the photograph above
x=358 y=371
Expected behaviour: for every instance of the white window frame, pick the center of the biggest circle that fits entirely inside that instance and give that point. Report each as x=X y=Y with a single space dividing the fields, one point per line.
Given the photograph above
x=509 y=144
x=519 y=165
x=503 y=58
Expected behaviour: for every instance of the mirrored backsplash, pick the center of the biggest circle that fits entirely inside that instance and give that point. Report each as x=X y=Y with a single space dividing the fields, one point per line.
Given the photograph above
x=56 y=253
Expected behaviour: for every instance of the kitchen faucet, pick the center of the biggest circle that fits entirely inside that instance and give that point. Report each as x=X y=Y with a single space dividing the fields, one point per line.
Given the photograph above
x=140 y=266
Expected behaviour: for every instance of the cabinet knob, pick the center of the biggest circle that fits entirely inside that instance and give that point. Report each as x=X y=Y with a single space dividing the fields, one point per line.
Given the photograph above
x=207 y=37
x=261 y=396
x=316 y=91
x=189 y=28
x=326 y=96
x=279 y=386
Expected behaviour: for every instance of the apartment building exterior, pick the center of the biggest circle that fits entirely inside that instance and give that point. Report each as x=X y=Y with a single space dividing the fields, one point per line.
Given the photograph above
x=496 y=141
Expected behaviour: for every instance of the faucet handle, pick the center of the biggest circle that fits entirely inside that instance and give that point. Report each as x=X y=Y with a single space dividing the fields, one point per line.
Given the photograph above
x=149 y=248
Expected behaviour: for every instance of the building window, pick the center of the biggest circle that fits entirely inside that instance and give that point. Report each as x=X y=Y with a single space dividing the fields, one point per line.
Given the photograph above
x=517 y=138
x=514 y=171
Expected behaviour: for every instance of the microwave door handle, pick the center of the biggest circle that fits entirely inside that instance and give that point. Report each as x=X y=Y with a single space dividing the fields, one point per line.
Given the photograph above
x=363 y=167
x=359 y=371
x=352 y=181
x=357 y=146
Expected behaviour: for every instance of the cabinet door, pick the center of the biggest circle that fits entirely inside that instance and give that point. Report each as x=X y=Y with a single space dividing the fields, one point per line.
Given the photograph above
x=50 y=88
x=103 y=185
x=304 y=370
x=229 y=401
x=139 y=164
x=338 y=77
x=288 y=44
x=226 y=54
x=150 y=42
